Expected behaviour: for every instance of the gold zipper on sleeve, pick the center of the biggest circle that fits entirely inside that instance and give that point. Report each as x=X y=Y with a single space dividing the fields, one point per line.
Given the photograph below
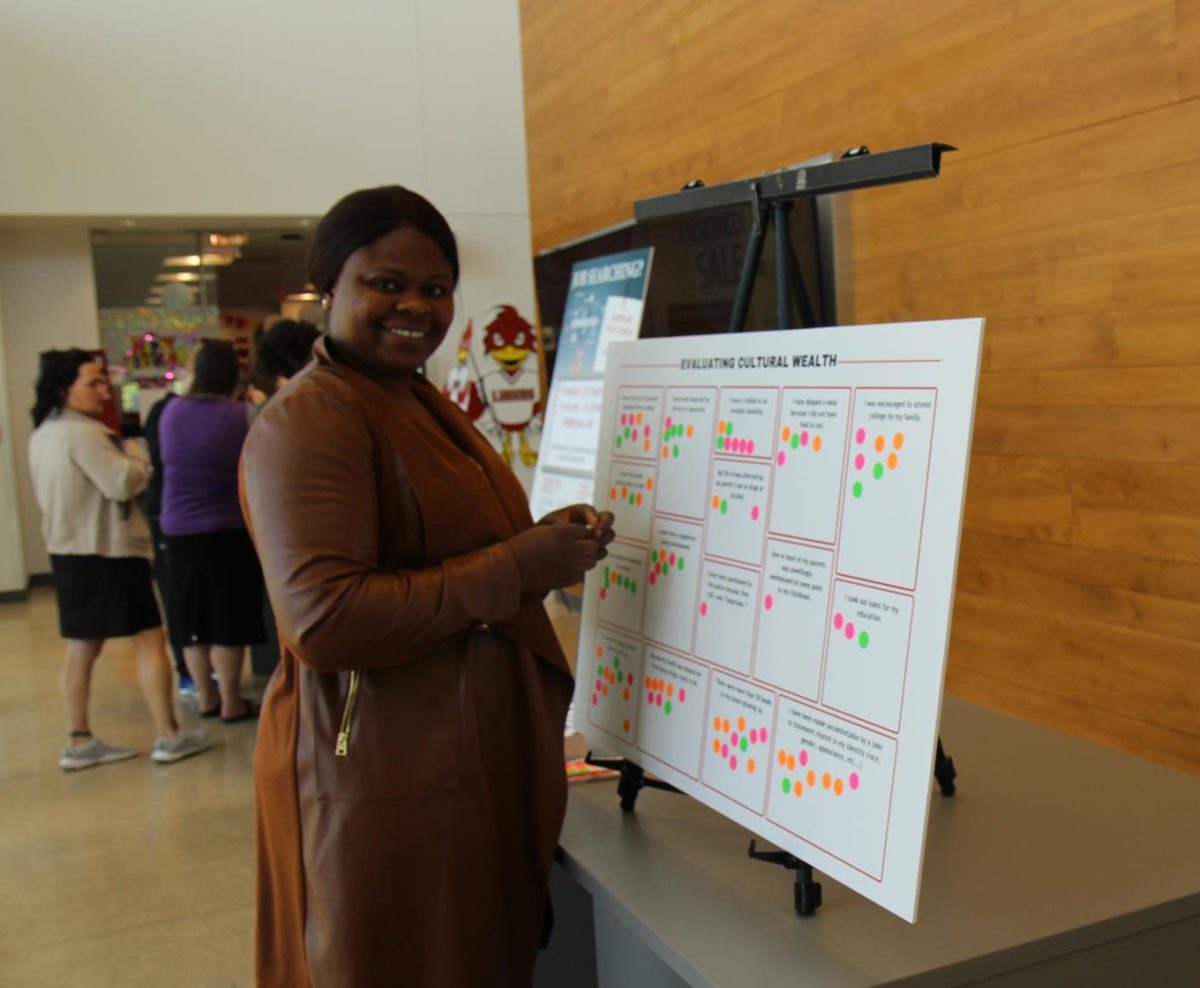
x=343 y=738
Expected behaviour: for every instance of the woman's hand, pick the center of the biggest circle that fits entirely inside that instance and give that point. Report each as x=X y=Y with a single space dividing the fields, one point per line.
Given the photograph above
x=562 y=547
x=600 y=522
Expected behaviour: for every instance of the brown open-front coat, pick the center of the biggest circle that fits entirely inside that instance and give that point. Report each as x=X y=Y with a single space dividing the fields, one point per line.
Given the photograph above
x=420 y=855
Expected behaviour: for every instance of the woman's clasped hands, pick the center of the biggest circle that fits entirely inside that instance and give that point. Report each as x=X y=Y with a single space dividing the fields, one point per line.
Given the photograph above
x=562 y=547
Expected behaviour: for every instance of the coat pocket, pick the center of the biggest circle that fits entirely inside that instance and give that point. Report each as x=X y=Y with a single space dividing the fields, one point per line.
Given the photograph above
x=392 y=733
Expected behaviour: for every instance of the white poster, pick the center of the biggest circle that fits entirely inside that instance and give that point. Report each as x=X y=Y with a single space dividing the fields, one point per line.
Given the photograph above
x=769 y=631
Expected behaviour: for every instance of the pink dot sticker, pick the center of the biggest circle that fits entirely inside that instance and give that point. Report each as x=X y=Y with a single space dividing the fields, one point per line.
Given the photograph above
x=604 y=593
x=781 y=459
x=849 y=629
x=754 y=513
x=733 y=738
x=624 y=418
x=762 y=735
x=724 y=751
x=754 y=735
x=595 y=699
x=838 y=620
x=703 y=608
x=658 y=698
x=672 y=559
x=860 y=437
x=682 y=694
x=860 y=461
x=629 y=679
x=733 y=763
x=853 y=780
x=804 y=438
x=803 y=757
x=646 y=431
x=750 y=446
x=668 y=423
x=598 y=684
x=768 y=602
x=653 y=580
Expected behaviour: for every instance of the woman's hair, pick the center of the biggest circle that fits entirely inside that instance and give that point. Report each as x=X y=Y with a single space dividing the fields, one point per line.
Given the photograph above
x=57 y=370
x=282 y=350
x=216 y=371
x=363 y=217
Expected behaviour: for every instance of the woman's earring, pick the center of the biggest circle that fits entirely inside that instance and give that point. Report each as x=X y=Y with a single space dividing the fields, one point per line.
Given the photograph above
x=326 y=301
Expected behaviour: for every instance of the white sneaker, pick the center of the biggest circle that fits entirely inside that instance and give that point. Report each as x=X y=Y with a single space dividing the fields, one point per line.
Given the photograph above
x=183 y=745
x=95 y=752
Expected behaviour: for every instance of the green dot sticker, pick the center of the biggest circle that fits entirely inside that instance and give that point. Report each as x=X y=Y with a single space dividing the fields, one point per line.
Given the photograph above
x=744 y=743
x=729 y=428
x=632 y=497
x=724 y=506
x=787 y=786
x=674 y=450
x=618 y=442
x=720 y=442
x=667 y=708
x=617 y=662
x=878 y=471
x=626 y=432
x=795 y=442
x=633 y=585
x=864 y=640
x=857 y=488
x=679 y=563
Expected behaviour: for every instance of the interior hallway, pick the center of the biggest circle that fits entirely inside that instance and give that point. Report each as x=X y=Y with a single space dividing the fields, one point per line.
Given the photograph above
x=129 y=874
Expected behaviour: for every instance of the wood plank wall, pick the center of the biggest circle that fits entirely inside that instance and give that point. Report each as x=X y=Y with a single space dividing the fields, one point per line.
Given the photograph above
x=1070 y=218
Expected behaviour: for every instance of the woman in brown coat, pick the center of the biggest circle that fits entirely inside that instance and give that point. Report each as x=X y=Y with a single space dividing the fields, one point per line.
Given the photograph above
x=409 y=766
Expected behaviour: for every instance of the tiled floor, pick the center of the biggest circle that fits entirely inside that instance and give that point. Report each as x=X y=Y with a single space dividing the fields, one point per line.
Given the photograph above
x=133 y=874
x=129 y=874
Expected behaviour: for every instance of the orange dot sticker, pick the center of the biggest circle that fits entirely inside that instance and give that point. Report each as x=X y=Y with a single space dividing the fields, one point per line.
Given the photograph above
x=826 y=781
x=666 y=451
x=690 y=430
x=879 y=444
x=741 y=723
x=599 y=651
x=625 y=694
x=798 y=788
x=649 y=483
x=612 y=494
x=791 y=763
x=716 y=502
x=898 y=440
x=625 y=725
x=725 y=726
x=892 y=460
x=638 y=499
x=646 y=445
x=716 y=723
x=670 y=689
x=721 y=427
x=624 y=493
x=816 y=444
x=837 y=787
x=639 y=418
x=787 y=433
x=811 y=778
x=717 y=745
x=647 y=682
x=782 y=757
x=750 y=766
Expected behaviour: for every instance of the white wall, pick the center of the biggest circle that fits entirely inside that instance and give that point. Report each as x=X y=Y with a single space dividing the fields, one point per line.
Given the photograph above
x=12 y=553
x=47 y=300
x=143 y=109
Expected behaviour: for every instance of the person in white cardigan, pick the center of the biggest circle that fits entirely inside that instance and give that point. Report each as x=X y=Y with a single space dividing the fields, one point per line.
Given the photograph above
x=86 y=481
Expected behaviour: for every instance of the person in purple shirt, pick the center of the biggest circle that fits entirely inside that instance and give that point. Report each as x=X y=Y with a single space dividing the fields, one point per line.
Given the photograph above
x=216 y=580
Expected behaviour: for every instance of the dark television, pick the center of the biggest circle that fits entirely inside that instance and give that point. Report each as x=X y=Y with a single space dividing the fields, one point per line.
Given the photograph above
x=696 y=267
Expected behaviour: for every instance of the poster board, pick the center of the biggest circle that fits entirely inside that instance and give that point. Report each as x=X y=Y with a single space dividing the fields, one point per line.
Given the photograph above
x=769 y=630
x=604 y=306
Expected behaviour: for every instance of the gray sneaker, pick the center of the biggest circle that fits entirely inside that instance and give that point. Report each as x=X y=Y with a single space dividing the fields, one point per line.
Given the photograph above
x=95 y=752
x=183 y=745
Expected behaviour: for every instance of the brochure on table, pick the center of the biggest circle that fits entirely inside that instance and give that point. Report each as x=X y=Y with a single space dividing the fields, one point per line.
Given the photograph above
x=769 y=630
x=604 y=306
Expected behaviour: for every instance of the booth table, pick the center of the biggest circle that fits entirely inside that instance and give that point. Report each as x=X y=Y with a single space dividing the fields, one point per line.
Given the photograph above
x=1058 y=863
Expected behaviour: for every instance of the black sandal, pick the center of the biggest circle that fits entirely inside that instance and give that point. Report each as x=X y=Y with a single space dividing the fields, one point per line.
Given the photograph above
x=250 y=713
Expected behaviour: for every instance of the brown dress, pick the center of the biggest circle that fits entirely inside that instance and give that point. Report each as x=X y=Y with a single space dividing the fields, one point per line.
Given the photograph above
x=409 y=769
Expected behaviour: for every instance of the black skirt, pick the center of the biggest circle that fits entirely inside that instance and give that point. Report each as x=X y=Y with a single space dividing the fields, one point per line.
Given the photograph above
x=216 y=588
x=100 y=598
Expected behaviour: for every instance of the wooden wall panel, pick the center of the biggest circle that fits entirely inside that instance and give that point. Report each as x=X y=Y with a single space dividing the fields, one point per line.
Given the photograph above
x=1070 y=218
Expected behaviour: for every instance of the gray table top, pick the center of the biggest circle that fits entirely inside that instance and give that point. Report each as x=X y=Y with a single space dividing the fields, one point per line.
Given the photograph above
x=1052 y=844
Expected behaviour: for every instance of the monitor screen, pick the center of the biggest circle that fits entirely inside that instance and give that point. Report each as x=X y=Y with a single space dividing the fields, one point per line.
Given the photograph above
x=696 y=268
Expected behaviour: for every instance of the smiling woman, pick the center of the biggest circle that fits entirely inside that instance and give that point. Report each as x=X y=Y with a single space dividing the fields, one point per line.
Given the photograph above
x=419 y=673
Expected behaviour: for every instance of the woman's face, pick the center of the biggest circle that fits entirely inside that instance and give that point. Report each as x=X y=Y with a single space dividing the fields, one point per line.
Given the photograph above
x=393 y=302
x=89 y=392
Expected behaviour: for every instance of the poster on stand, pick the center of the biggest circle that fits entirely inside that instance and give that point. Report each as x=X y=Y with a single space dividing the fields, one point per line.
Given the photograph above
x=770 y=628
x=604 y=306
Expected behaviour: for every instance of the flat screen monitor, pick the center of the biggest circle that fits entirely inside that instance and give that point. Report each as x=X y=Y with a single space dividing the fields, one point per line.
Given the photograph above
x=696 y=268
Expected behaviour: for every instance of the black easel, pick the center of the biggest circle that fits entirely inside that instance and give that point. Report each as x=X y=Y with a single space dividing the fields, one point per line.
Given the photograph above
x=770 y=198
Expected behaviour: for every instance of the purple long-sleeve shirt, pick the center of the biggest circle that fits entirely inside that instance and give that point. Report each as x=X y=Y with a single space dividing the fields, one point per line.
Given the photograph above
x=200 y=440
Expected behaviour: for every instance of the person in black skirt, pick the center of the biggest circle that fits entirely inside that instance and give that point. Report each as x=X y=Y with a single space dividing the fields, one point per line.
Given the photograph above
x=86 y=481
x=216 y=582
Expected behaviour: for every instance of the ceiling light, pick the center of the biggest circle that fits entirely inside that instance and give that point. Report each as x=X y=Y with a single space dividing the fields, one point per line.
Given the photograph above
x=302 y=297
x=228 y=239
x=211 y=260
x=188 y=276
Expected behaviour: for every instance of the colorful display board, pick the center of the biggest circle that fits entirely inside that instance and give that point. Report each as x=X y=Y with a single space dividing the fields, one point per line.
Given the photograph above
x=769 y=630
